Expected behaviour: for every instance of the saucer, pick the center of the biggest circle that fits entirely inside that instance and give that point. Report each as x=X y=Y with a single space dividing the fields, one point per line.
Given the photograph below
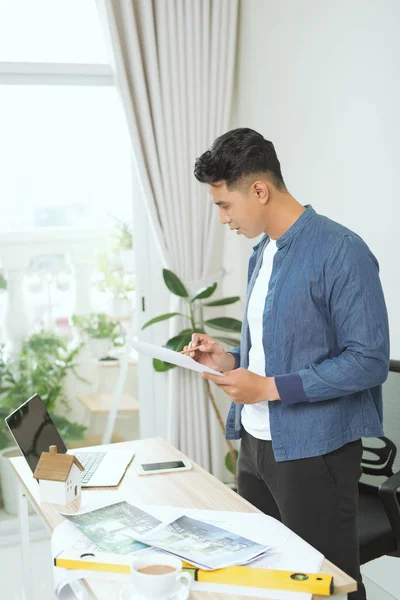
x=129 y=593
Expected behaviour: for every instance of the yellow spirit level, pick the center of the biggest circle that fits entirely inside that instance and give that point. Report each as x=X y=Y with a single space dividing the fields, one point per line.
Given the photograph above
x=310 y=583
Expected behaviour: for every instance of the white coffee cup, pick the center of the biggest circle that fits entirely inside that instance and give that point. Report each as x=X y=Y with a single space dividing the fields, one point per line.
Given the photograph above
x=158 y=576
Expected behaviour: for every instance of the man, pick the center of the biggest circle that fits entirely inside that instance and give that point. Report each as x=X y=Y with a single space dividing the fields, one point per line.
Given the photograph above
x=314 y=352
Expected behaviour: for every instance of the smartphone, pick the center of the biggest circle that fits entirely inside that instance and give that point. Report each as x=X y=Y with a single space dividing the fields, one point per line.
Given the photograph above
x=163 y=467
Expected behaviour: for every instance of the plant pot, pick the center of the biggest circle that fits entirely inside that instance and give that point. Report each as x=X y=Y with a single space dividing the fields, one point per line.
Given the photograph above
x=99 y=347
x=8 y=480
x=128 y=260
x=121 y=307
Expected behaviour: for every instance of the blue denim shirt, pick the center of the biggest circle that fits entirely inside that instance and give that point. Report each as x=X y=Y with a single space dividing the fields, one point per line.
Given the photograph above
x=325 y=338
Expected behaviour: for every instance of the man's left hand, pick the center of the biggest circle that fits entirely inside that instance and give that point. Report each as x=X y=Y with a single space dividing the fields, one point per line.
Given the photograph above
x=245 y=387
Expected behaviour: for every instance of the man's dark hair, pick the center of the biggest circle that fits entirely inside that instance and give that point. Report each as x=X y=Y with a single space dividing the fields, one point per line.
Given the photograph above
x=237 y=155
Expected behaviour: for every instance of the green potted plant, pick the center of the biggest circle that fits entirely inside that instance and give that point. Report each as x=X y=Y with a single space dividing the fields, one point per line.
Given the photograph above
x=102 y=333
x=41 y=367
x=3 y=282
x=196 y=322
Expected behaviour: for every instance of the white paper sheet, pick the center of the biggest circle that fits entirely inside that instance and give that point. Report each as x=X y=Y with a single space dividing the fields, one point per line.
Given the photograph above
x=287 y=551
x=181 y=360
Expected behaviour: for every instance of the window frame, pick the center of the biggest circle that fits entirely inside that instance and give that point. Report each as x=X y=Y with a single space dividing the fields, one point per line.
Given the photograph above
x=23 y=73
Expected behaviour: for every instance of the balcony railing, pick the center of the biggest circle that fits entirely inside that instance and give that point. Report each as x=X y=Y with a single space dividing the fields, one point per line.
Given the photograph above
x=24 y=255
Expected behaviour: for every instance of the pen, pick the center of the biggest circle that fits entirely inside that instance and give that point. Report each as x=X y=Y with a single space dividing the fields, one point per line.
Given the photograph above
x=189 y=349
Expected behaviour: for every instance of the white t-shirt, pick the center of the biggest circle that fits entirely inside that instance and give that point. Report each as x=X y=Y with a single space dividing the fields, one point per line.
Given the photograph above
x=255 y=417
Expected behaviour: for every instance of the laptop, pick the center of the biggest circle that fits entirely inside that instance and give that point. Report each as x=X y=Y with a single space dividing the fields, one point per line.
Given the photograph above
x=34 y=431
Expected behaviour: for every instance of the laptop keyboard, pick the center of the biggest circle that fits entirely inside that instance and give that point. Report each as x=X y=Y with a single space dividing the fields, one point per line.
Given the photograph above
x=91 y=461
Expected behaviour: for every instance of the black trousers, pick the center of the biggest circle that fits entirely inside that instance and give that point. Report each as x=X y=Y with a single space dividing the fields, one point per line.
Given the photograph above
x=315 y=497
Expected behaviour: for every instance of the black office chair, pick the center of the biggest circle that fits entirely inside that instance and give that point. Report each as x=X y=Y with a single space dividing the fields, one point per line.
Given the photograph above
x=379 y=505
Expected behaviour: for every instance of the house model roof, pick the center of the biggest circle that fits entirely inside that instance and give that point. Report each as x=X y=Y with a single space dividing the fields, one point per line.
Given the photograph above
x=55 y=467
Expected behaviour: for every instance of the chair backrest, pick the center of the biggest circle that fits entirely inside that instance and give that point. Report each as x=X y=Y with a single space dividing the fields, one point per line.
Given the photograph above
x=391 y=408
x=381 y=462
x=380 y=458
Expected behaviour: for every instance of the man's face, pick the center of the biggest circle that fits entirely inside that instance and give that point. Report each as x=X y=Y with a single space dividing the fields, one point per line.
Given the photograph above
x=241 y=210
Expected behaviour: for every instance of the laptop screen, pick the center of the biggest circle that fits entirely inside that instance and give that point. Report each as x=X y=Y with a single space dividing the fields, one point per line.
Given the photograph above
x=34 y=431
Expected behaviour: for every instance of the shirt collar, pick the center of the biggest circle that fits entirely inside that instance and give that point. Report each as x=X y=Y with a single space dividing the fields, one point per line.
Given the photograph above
x=292 y=231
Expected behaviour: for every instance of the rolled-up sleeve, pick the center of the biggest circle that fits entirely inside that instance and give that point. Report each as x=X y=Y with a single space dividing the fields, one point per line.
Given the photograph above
x=358 y=315
x=236 y=355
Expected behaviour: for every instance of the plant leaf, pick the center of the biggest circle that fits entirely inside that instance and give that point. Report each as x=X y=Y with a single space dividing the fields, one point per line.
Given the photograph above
x=225 y=324
x=223 y=301
x=204 y=292
x=178 y=342
x=231 y=342
x=68 y=430
x=199 y=330
x=174 y=284
x=190 y=331
x=228 y=462
x=161 y=318
x=160 y=366
x=187 y=331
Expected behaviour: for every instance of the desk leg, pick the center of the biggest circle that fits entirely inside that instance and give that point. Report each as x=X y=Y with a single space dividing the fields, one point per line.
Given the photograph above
x=27 y=581
x=117 y=393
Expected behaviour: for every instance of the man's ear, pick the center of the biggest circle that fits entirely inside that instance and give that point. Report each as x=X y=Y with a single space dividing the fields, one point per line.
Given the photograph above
x=260 y=190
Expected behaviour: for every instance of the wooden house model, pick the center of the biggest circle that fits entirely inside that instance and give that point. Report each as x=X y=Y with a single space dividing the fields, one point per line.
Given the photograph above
x=59 y=477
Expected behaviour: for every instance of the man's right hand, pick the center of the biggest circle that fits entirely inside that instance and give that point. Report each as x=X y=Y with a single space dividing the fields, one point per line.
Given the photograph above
x=211 y=353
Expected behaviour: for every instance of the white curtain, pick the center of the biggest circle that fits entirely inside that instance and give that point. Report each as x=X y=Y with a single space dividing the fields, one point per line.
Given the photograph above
x=174 y=62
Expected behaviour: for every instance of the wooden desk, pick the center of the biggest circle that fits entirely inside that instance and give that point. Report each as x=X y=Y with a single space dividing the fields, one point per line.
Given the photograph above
x=189 y=489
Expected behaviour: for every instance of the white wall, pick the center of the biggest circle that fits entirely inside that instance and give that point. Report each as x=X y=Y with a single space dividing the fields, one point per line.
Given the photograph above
x=322 y=81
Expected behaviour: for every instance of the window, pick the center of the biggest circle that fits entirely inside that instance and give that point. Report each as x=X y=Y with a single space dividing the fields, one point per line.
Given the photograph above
x=65 y=150
x=51 y=31
x=65 y=156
